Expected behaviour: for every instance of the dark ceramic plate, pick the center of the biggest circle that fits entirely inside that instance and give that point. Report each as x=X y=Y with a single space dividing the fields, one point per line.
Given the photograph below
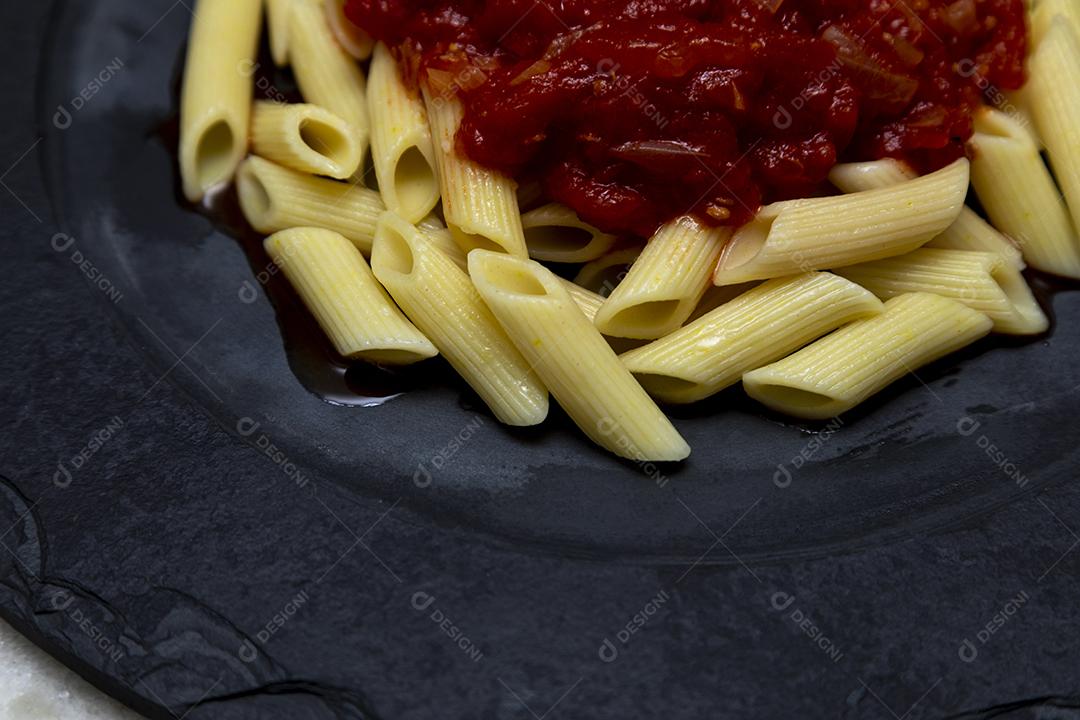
x=340 y=543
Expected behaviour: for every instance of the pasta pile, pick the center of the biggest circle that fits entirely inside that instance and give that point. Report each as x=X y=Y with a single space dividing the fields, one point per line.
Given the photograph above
x=814 y=306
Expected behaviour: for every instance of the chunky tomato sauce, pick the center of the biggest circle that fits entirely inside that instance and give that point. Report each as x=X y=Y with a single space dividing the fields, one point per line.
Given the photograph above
x=635 y=111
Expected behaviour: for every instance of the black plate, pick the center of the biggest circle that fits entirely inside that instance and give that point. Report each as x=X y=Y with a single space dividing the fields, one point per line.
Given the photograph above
x=173 y=486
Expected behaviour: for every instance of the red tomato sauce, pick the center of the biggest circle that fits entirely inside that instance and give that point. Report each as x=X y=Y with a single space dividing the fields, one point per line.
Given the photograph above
x=633 y=112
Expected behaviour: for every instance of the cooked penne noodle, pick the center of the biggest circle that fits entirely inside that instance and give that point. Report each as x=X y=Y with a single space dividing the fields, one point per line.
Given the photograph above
x=815 y=304
x=1018 y=107
x=873 y=175
x=278 y=20
x=440 y=237
x=1019 y=194
x=845 y=368
x=326 y=74
x=983 y=281
x=480 y=205
x=823 y=233
x=215 y=103
x=588 y=301
x=1044 y=13
x=355 y=41
x=573 y=360
x=969 y=232
x=401 y=148
x=275 y=198
x=338 y=287
x=757 y=327
x=440 y=298
x=554 y=233
x=665 y=283
x=1054 y=89
x=718 y=295
x=605 y=273
x=305 y=137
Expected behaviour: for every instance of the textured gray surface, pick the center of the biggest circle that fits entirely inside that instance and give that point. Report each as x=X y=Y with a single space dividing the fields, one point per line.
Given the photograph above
x=157 y=568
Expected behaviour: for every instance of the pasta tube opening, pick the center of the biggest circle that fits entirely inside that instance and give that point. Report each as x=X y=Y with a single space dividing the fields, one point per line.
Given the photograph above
x=415 y=185
x=669 y=388
x=749 y=240
x=503 y=274
x=548 y=239
x=255 y=199
x=307 y=138
x=665 y=283
x=217 y=152
x=554 y=233
x=395 y=254
x=331 y=141
x=646 y=320
x=798 y=401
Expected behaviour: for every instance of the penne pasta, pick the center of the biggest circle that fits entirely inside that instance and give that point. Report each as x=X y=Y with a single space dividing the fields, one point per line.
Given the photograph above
x=1018 y=107
x=275 y=198
x=1054 y=90
x=338 y=287
x=440 y=298
x=440 y=237
x=845 y=368
x=326 y=74
x=278 y=20
x=1044 y=13
x=665 y=283
x=587 y=301
x=401 y=147
x=823 y=233
x=815 y=304
x=352 y=39
x=985 y=282
x=759 y=326
x=874 y=175
x=605 y=273
x=718 y=295
x=307 y=138
x=1020 y=196
x=573 y=360
x=480 y=205
x=554 y=233
x=969 y=232
x=215 y=102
